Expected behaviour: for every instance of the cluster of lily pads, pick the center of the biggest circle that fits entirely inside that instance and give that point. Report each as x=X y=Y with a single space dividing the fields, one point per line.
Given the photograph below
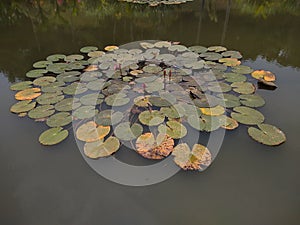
x=157 y=2
x=150 y=95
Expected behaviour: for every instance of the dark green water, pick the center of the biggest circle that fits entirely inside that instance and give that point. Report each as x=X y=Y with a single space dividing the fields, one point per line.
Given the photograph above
x=247 y=184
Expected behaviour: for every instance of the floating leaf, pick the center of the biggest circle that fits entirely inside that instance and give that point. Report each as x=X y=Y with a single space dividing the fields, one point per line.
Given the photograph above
x=160 y=102
x=219 y=87
x=198 y=49
x=96 y=54
x=53 y=87
x=217 y=49
x=204 y=123
x=23 y=106
x=50 y=98
x=247 y=115
x=44 y=81
x=100 y=149
x=196 y=159
x=142 y=101
x=211 y=56
x=152 y=69
x=67 y=104
x=75 y=88
x=174 y=129
x=173 y=112
x=55 y=57
x=36 y=73
x=228 y=123
x=229 y=100
x=162 y=44
x=151 y=118
x=28 y=94
x=85 y=112
x=108 y=117
x=41 y=112
x=263 y=74
x=267 y=134
x=90 y=132
x=252 y=100
x=234 y=77
x=117 y=100
x=111 y=48
x=243 y=87
x=41 y=64
x=178 y=48
x=213 y=111
x=59 y=119
x=74 y=57
x=232 y=54
x=53 y=136
x=127 y=132
x=21 y=86
x=92 y=99
x=88 y=49
x=230 y=61
x=242 y=69
x=154 y=148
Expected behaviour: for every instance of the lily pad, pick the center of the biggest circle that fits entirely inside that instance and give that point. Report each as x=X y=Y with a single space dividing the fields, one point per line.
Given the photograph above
x=252 y=100
x=75 y=88
x=74 y=57
x=151 y=118
x=161 y=101
x=229 y=100
x=90 y=132
x=154 y=148
x=100 y=149
x=198 y=49
x=67 y=104
x=219 y=87
x=21 y=86
x=44 y=81
x=213 y=111
x=228 y=123
x=36 y=73
x=92 y=99
x=263 y=74
x=247 y=115
x=85 y=112
x=96 y=54
x=111 y=48
x=178 y=48
x=243 y=87
x=230 y=61
x=88 y=49
x=41 y=64
x=53 y=87
x=242 y=69
x=217 y=49
x=127 y=132
x=23 y=106
x=234 y=77
x=211 y=56
x=204 y=123
x=50 y=98
x=267 y=134
x=196 y=159
x=117 y=100
x=56 y=57
x=232 y=54
x=53 y=136
x=59 y=119
x=41 y=112
x=108 y=117
x=28 y=94
x=174 y=129
x=173 y=112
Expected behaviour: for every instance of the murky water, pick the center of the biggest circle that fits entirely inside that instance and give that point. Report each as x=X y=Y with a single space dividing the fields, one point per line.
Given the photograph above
x=247 y=184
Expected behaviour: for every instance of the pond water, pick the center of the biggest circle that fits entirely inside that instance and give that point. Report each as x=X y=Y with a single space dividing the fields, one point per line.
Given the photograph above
x=248 y=183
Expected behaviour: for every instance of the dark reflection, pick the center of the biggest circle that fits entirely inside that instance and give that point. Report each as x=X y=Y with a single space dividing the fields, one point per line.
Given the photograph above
x=33 y=29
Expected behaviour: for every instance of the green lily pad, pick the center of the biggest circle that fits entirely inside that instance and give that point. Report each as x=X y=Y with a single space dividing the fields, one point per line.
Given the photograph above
x=44 y=81
x=211 y=56
x=96 y=85
x=198 y=49
x=229 y=100
x=108 y=117
x=178 y=48
x=151 y=118
x=59 y=119
x=57 y=68
x=53 y=87
x=267 y=134
x=243 y=87
x=199 y=158
x=22 y=106
x=41 y=112
x=53 y=136
x=69 y=76
x=230 y=61
x=247 y=115
x=36 y=73
x=161 y=102
x=162 y=44
x=41 y=64
x=142 y=101
x=90 y=76
x=228 y=123
x=234 y=77
x=173 y=112
x=153 y=69
x=88 y=49
x=174 y=129
x=96 y=54
x=85 y=112
x=92 y=99
x=74 y=57
x=217 y=49
x=117 y=100
x=219 y=87
x=126 y=132
x=99 y=149
x=242 y=69
x=20 y=86
x=67 y=104
x=252 y=100
x=204 y=123
x=232 y=54
x=55 y=57
x=75 y=88
x=50 y=98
